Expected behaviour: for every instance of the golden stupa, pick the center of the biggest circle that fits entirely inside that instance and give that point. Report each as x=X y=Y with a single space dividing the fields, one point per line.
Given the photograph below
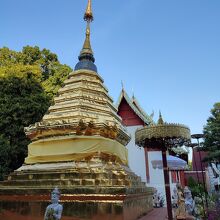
x=79 y=147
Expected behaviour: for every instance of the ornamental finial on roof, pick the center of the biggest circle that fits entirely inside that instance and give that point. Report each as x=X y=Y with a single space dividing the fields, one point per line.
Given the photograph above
x=160 y=120
x=122 y=86
x=152 y=114
x=88 y=16
x=133 y=97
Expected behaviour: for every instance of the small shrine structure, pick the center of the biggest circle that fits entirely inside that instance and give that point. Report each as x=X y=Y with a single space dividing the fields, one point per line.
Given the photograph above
x=163 y=136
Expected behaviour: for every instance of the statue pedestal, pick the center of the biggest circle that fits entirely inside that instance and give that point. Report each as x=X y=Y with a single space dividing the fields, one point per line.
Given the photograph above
x=181 y=217
x=187 y=217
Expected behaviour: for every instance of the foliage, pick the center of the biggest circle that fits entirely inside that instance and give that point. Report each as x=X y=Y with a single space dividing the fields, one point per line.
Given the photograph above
x=212 y=134
x=52 y=84
x=199 y=196
x=28 y=81
x=197 y=189
x=22 y=102
x=190 y=167
x=198 y=193
x=40 y=64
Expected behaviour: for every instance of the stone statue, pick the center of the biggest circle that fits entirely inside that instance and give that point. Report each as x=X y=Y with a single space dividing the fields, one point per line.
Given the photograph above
x=181 y=210
x=156 y=199
x=54 y=210
x=175 y=198
x=189 y=202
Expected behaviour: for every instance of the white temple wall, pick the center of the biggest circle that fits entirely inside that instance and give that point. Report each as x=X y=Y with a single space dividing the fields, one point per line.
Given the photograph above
x=136 y=157
x=136 y=160
x=157 y=176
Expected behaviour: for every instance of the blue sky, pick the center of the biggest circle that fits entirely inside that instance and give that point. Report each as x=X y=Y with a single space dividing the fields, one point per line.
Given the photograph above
x=167 y=51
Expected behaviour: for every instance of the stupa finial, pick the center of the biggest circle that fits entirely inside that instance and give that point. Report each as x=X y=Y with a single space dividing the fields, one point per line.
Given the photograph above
x=160 y=120
x=88 y=16
x=86 y=57
x=87 y=49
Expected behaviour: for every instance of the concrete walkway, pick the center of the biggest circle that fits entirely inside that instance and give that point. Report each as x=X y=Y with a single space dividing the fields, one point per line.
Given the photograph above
x=156 y=214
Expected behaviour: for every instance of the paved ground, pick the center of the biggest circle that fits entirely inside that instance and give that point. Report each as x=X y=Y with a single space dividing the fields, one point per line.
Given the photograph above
x=156 y=214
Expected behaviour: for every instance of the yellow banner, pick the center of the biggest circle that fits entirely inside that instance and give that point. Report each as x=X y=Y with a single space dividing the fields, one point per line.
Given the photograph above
x=74 y=148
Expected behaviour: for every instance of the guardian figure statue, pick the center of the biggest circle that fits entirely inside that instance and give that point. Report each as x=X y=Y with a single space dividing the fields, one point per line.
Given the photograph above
x=54 y=210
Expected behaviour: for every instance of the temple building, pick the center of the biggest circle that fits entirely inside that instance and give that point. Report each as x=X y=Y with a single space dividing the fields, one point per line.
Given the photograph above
x=146 y=162
x=134 y=117
x=79 y=146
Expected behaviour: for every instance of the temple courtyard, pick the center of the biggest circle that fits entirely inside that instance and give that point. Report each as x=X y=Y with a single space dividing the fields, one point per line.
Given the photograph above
x=87 y=157
x=156 y=214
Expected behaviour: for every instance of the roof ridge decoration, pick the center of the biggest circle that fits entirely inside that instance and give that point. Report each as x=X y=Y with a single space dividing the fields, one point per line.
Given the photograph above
x=146 y=118
x=137 y=104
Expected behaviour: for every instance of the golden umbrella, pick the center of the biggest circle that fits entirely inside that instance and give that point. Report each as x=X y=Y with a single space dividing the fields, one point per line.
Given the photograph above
x=163 y=136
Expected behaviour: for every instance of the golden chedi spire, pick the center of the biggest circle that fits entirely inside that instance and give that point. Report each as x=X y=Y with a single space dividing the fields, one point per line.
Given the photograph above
x=86 y=58
x=83 y=113
x=87 y=49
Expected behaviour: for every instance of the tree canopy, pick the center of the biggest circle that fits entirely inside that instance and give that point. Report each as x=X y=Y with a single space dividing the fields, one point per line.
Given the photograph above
x=28 y=81
x=212 y=134
x=43 y=65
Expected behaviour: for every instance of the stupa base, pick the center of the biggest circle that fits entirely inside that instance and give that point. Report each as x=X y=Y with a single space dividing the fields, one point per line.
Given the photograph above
x=77 y=207
x=94 y=190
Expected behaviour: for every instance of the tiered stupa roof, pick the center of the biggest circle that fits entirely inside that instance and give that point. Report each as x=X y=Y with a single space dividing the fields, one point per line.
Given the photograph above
x=83 y=106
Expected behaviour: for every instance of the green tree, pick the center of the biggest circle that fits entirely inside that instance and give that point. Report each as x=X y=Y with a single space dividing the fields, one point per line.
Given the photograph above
x=212 y=134
x=52 y=84
x=22 y=102
x=28 y=81
x=197 y=189
x=43 y=64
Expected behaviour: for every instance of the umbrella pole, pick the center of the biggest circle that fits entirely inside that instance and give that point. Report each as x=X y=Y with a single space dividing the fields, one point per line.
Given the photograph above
x=167 y=184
